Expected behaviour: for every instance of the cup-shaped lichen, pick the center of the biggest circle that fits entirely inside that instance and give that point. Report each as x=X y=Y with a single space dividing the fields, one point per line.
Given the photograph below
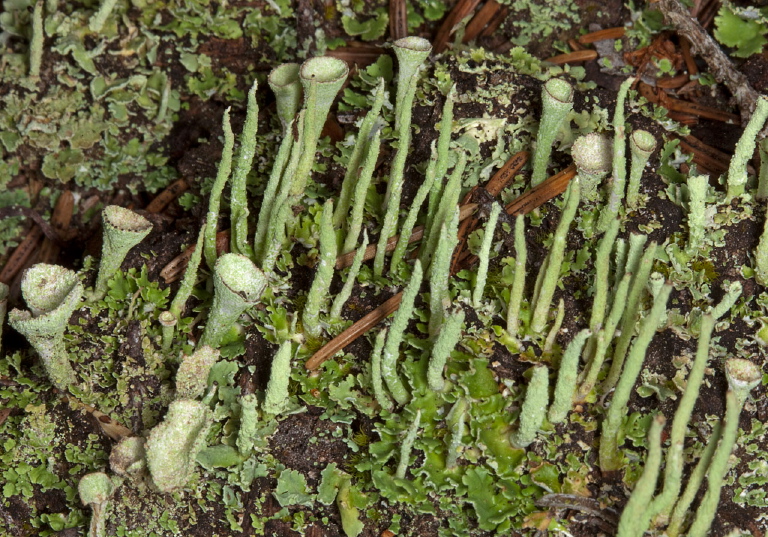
x=238 y=285
x=411 y=52
x=123 y=229
x=285 y=83
x=173 y=445
x=557 y=102
x=321 y=78
x=192 y=376
x=592 y=157
x=642 y=144
x=128 y=456
x=52 y=294
x=95 y=490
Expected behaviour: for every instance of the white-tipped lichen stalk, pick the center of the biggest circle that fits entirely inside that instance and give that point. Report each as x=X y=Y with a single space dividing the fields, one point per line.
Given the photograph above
x=441 y=167
x=552 y=264
x=743 y=376
x=322 y=78
x=630 y=315
x=239 y=239
x=276 y=397
x=98 y=19
x=549 y=342
x=762 y=177
x=173 y=445
x=682 y=507
x=635 y=519
x=456 y=421
x=610 y=455
x=592 y=157
x=214 y=200
x=697 y=197
x=534 y=408
x=376 y=372
x=3 y=309
x=123 y=229
x=604 y=338
x=346 y=290
x=443 y=211
x=732 y=294
x=238 y=285
x=447 y=339
x=276 y=235
x=619 y=161
x=192 y=375
x=484 y=256
x=326 y=264
x=518 y=280
x=413 y=212
x=642 y=144
x=745 y=147
x=557 y=102
x=95 y=490
x=52 y=293
x=37 y=42
x=567 y=376
x=440 y=275
x=407 y=446
x=173 y=316
x=361 y=149
x=285 y=84
x=249 y=417
x=411 y=53
x=602 y=268
x=361 y=188
x=391 y=351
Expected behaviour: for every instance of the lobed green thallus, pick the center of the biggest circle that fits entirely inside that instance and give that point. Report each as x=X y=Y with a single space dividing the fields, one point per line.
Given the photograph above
x=417 y=398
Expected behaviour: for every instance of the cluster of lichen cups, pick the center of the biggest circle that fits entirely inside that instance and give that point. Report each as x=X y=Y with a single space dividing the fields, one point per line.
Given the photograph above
x=239 y=278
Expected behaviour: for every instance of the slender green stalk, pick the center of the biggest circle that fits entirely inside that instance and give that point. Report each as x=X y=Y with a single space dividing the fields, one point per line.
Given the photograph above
x=443 y=211
x=602 y=267
x=407 y=446
x=642 y=144
x=732 y=294
x=630 y=316
x=762 y=180
x=346 y=291
x=376 y=373
x=440 y=275
x=450 y=334
x=635 y=518
x=37 y=43
x=239 y=200
x=761 y=257
x=4 y=289
x=391 y=351
x=518 y=281
x=456 y=421
x=276 y=237
x=694 y=482
x=697 y=197
x=214 y=201
x=567 y=376
x=534 y=408
x=441 y=168
x=361 y=188
x=319 y=292
x=185 y=290
x=484 y=256
x=413 y=212
x=737 y=170
x=362 y=147
x=557 y=102
x=610 y=455
x=276 y=397
x=549 y=342
x=100 y=17
x=551 y=276
x=249 y=416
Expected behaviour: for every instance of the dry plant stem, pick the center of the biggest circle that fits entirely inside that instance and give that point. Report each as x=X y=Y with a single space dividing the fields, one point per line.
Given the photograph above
x=635 y=519
x=542 y=193
x=610 y=455
x=60 y=220
x=608 y=33
x=694 y=482
x=719 y=65
x=574 y=57
x=481 y=20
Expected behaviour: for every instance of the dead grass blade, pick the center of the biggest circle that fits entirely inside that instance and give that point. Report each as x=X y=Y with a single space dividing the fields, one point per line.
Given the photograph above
x=577 y=56
x=162 y=200
x=21 y=254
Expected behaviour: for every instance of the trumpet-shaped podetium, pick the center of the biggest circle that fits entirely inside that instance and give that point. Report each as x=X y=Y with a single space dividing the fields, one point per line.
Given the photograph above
x=642 y=144
x=534 y=408
x=557 y=102
x=52 y=294
x=173 y=445
x=95 y=490
x=285 y=84
x=592 y=157
x=411 y=52
x=743 y=377
x=123 y=229
x=192 y=375
x=238 y=285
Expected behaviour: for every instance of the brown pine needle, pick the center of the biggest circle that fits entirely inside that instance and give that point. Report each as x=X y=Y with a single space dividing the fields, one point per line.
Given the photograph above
x=481 y=19
x=162 y=200
x=60 y=220
x=608 y=33
x=398 y=19
x=542 y=193
x=574 y=57
x=21 y=254
x=173 y=270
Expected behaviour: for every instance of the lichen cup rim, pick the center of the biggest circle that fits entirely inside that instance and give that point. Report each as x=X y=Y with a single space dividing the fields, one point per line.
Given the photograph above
x=46 y=287
x=324 y=70
x=559 y=89
x=241 y=276
x=592 y=153
x=414 y=43
x=125 y=220
x=284 y=75
x=643 y=141
x=743 y=375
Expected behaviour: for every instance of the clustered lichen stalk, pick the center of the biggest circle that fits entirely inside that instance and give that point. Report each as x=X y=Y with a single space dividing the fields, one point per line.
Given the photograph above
x=4 y=289
x=484 y=256
x=319 y=292
x=239 y=237
x=214 y=199
x=534 y=408
x=642 y=144
x=361 y=187
x=440 y=274
x=450 y=334
x=285 y=84
x=518 y=281
x=37 y=42
x=745 y=147
x=407 y=445
x=346 y=290
x=276 y=398
x=697 y=197
x=95 y=490
x=557 y=102
x=567 y=376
